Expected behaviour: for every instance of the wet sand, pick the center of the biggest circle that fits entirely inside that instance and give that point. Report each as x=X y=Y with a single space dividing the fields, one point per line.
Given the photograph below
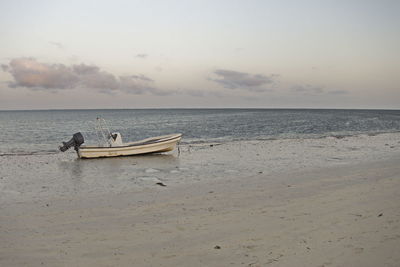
x=327 y=214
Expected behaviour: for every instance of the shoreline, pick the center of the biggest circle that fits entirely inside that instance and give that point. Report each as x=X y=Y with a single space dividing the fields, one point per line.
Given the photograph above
x=201 y=108
x=321 y=217
x=218 y=141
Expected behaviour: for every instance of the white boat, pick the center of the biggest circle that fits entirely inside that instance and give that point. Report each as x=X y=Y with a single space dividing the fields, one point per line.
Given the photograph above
x=150 y=145
x=114 y=147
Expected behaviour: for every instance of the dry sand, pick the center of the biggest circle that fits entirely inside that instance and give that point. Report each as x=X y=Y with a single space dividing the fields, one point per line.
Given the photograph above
x=327 y=217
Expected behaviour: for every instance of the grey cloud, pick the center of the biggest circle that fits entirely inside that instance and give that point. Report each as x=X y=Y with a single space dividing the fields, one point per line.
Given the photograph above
x=308 y=89
x=316 y=90
x=142 y=78
x=4 y=67
x=140 y=84
x=242 y=80
x=57 y=44
x=133 y=85
x=159 y=92
x=196 y=93
x=338 y=92
x=85 y=69
x=142 y=55
x=201 y=93
x=29 y=73
x=99 y=80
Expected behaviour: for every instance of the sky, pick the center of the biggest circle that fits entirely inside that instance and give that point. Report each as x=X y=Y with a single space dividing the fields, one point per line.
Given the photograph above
x=199 y=54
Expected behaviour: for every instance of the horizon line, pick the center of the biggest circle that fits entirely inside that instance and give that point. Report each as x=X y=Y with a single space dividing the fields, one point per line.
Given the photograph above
x=198 y=108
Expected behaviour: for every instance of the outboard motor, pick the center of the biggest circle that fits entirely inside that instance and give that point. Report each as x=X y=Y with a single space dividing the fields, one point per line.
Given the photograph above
x=76 y=141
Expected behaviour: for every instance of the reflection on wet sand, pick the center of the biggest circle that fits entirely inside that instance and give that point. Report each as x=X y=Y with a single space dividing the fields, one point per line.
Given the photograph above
x=77 y=168
x=111 y=172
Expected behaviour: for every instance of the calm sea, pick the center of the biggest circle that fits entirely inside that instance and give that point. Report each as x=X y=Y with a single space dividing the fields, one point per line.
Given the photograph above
x=43 y=131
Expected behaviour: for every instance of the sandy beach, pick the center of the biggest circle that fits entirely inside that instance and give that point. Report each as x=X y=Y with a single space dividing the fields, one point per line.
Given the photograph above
x=322 y=209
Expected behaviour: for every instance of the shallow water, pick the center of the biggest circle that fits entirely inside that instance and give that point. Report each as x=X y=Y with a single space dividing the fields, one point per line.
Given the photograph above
x=47 y=176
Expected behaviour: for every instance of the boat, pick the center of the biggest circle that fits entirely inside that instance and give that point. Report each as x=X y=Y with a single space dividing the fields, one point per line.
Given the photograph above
x=114 y=147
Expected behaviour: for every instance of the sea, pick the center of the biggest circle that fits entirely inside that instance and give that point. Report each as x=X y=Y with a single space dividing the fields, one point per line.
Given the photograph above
x=42 y=131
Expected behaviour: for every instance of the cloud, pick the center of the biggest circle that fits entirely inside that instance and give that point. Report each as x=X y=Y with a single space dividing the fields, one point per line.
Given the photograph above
x=200 y=93
x=142 y=78
x=4 y=67
x=134 y=84
x=338 y=92
x=242 y=80
x=142 y=56
x=308 y=89
x=29 y=73
x=316 y=90
x=57 y=44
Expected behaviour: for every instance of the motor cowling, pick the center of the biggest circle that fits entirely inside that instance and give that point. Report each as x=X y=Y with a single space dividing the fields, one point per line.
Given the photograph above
x=76 y=141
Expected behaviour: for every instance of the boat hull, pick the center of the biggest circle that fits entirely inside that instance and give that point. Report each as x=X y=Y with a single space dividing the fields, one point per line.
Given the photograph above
x=151 y=145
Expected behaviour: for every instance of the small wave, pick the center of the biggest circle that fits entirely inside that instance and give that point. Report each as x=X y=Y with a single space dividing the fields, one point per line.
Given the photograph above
x=336 y=135
x=199 y=142
x=30 y=153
